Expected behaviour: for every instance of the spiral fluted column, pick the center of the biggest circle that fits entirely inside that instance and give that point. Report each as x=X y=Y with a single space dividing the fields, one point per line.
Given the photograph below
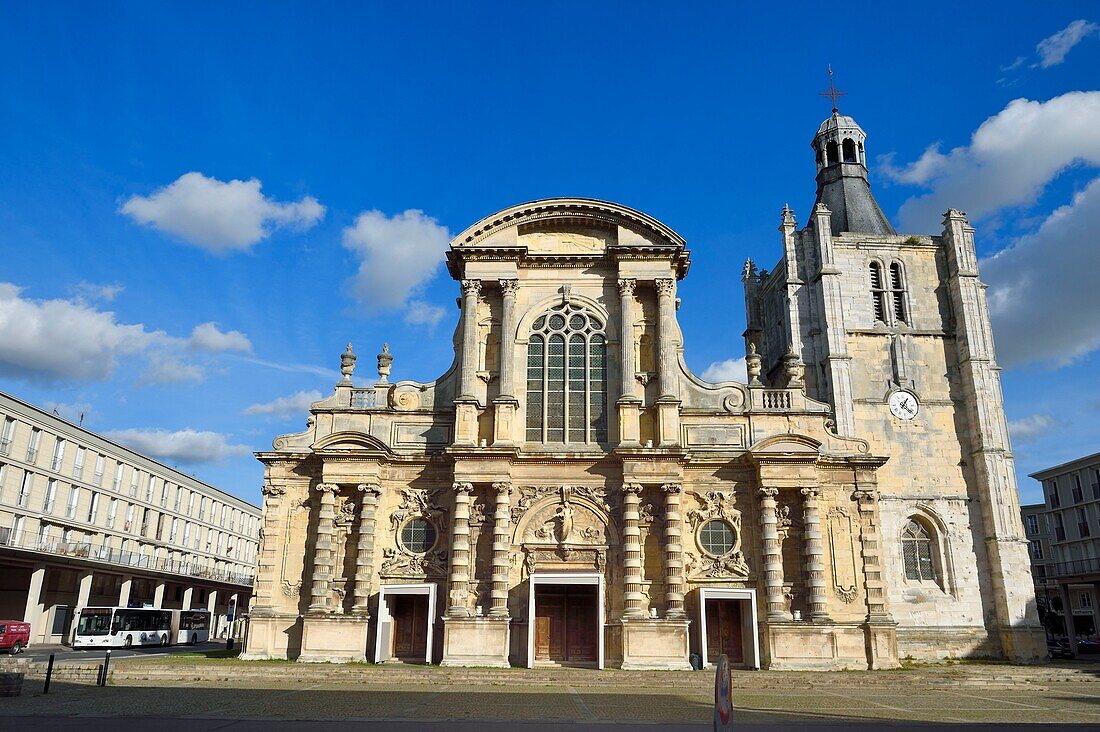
x=773 y=558
x=632 y=552
x=815 y=555
x=460 y=553
x=502 y=520
x=674 y=553
x=323 y=549
x=364 y=555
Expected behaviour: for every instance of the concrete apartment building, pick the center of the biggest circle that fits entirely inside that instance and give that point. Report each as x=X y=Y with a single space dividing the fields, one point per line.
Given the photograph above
x=1064 y=536
x=85 y=521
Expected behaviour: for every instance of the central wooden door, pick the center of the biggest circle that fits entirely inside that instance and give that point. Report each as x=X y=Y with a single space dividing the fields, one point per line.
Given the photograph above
x=724 y=631
x=410 y=626
x=566 y=621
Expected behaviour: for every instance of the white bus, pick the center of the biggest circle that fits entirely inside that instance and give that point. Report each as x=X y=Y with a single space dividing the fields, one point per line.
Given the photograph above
x=121 y=627
x=190 y=626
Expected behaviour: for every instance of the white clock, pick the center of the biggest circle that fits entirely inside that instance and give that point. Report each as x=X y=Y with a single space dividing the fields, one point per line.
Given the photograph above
x=903 y=405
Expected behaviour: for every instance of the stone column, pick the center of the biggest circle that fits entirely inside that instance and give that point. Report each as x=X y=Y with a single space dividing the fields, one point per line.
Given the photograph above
x=629 y=403
x=502 y=521
x=1067 y=616
x=158 y=595
x=188 y=595
x=471 y=289
x=84 y=592
x=632 y=552
x=364 y=554
x=505 y=404
x=323 y=550
x=773 y=557
x=666 y=330
x=877 y=611
x=267 y=557
x=124 y=591
x=815 y=564
x=32 y=612
x=674 y=561
x=460 y=553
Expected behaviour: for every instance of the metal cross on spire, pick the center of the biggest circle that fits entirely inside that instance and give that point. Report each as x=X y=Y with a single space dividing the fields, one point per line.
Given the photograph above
x=832 y=92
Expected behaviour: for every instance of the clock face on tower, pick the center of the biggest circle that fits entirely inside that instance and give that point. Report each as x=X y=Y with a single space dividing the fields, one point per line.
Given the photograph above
x=903 y=405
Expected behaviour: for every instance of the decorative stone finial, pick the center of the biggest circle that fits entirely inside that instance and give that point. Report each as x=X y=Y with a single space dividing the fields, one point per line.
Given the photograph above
x=347 y=363
x=385 y=361
x=748 y=272
x=796 y=370
x=788 y=216
x=753 y=365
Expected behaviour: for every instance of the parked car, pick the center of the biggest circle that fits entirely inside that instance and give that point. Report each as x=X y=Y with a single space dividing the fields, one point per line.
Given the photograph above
x=1059 y=649
x=1088 y=645
x=15 y=635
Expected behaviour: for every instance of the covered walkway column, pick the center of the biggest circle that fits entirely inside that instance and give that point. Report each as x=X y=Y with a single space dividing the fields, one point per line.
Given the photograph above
x=187 y=594
x=1067 y=614
x=364 y=554
x=158 y=595
x=84 y=592
x=33 y=611
x=322 y=553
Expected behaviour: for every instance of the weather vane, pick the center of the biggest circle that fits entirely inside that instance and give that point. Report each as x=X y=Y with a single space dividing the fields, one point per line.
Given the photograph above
x=832 y=92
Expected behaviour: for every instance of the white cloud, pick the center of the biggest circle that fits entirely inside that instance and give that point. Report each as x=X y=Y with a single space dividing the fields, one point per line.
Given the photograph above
x=218 y=216
x=1031 y=428
x=207 y=337
x=64 y=339
x=166 y=368
x=1011 y=158
x=1053 y=49
x=286 y=406
x=397 y=255
x=732 y=369
x=182 y=446
x=421 y=313
x=1043 y=297
x=92 y=291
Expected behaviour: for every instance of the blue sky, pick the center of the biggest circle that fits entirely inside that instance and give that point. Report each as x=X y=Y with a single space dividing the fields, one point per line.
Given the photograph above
x=200 y=204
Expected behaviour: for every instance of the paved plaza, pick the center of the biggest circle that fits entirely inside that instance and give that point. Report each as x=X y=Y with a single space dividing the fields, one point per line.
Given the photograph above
x=204 y=691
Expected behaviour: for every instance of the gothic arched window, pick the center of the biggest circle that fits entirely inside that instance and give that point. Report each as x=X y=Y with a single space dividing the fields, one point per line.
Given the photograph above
x=897 y=293
x=567 y=377
x=918 y=552
x=878 y=292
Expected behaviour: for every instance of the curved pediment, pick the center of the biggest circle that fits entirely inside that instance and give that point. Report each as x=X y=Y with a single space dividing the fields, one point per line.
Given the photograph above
x=789 y=445
x=350 y=442
x=568 y=226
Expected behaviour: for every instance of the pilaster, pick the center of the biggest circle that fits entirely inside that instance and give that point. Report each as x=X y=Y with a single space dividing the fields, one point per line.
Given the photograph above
x=268 y=558
x=838 y=364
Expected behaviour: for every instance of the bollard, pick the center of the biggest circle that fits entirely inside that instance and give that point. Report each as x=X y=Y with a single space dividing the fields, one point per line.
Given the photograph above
x=99 y=675
x=49 y=673
x=106 y=668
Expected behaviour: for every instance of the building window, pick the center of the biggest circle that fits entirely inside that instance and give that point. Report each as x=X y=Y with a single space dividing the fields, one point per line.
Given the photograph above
x=717 y=538
x=566 y=377
x=116 y=484
x=78 y=464
x=1059 y=527
x=1032 y=522
x=32 y=446
x=1078 y=491
x=97 y=476
x=897 y=293
x=25 y=489
x=150 y=489
x=418 y=535
x=135 y=477
x=164 y=493
x=878 y=292
x=74 y=498
x=93 y=508
x=1085 y=600
x=51 y=494
x=1052 y=492
x=916 y=543
x=1036 y=549
x=5 y=436
x=112 y=511
x=1083 y=524
x=1096 y=483
x=58 y=455
x=179 y=498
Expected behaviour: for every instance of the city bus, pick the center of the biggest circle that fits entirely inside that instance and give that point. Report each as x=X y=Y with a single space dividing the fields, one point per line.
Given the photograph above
x=122 y=627
x=190 y=626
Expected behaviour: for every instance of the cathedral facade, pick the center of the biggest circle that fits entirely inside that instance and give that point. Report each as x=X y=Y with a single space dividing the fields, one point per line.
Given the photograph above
x=569 y=493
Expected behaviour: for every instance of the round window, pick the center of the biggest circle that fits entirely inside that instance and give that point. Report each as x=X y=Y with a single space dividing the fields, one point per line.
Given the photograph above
x=717 y=537
x=418 y=535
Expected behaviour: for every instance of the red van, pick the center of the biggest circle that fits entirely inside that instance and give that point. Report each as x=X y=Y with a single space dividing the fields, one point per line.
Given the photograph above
x=15 y=635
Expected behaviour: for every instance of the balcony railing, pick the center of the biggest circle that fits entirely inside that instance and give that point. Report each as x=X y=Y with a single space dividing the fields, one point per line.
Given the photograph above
x=1074 y=567
x=110 y=555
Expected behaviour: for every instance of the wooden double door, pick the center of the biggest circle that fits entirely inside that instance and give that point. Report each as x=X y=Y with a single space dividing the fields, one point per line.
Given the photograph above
x=409 y=614
x=566 y=623
x=724 y=631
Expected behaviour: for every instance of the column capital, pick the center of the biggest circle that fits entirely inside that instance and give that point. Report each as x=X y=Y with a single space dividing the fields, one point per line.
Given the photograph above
x=369 y=489
x=672 y=489
x=471 y=287
x=626 y=286
x=509 y=287
x=324 y=488
x=864 y=495
x=503 y=488
x=463 y=488
x=665 y=285
x=272 y=491
x=632 y=489
x=811 y=492
x=768 y=491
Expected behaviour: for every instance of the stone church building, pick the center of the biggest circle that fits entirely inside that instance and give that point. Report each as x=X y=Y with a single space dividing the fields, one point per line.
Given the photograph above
x=570 y=493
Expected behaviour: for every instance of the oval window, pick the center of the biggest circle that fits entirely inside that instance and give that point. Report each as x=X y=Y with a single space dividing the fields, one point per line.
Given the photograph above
x=418 y=535
x=717 y=537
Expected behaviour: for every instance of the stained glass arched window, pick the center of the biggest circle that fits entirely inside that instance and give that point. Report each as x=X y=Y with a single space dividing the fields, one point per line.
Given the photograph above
x=567 y=377
x=916 y=545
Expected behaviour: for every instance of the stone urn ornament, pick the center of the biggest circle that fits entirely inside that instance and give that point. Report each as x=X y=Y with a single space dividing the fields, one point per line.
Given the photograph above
x=796 y=370
x=347 y=363
x=752 y=364
x=385 y=363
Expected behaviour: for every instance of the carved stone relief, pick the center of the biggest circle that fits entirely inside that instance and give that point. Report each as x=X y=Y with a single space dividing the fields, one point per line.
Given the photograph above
x=716 y=505
x=842 y=538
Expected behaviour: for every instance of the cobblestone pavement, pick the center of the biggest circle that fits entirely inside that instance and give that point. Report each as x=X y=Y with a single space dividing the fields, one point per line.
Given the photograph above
x=203 y=690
